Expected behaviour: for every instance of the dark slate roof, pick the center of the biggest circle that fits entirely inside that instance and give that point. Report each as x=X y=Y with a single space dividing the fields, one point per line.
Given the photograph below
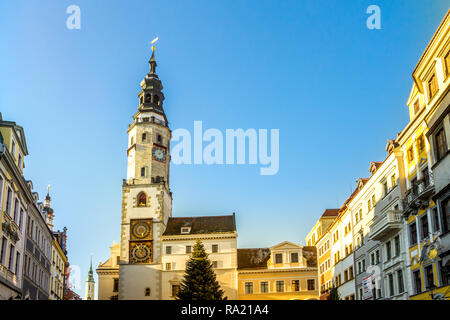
x=310 y=253
x=253 y=258
x=257 y=258
x=201 y=225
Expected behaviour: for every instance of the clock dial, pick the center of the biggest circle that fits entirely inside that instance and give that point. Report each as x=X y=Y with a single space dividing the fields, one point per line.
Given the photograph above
x=141 y=252
x=141 y=229
x=159 y=154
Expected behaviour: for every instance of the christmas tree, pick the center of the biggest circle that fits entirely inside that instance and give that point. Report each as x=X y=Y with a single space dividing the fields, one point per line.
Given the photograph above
x=199 y=282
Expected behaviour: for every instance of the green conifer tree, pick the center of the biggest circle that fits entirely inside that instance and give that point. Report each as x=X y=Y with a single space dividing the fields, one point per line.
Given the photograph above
x=199 y=281
x=334 y=294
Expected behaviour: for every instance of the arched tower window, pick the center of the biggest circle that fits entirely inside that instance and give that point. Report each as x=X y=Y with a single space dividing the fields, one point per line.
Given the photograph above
x=156 y=99
x=144 y=137
x=147 y=98
x=143 y=172
x=142 y=199
x=141 y=100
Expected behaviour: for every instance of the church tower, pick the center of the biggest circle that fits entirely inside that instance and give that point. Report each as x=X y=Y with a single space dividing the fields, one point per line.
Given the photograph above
x=146 y=197
x=90 y=285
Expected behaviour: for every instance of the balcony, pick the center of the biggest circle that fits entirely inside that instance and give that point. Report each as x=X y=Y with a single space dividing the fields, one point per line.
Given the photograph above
x=416 y=197
x=9 y=276
x=385 y=225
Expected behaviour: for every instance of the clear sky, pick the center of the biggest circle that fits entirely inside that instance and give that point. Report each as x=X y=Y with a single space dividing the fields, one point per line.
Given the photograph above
x=335 y=90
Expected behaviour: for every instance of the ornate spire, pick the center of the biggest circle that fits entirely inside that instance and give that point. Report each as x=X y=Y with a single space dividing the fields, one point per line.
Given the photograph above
x=90 y=277
x=153 y=63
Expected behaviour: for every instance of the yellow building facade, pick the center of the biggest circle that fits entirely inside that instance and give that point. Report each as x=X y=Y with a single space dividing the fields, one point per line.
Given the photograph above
x=286 y=271
x=424 y=223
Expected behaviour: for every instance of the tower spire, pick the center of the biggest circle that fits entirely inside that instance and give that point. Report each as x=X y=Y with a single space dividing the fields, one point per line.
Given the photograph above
x=48 y=209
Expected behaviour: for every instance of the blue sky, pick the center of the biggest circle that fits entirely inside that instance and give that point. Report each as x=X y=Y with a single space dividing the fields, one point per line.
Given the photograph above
x=335 y=90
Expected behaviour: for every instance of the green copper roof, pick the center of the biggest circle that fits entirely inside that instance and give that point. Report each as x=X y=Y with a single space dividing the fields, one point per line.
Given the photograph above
x=90 y=277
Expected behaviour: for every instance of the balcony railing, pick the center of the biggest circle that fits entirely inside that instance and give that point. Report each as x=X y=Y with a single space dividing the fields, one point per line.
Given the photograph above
x=417 y=196
x=8 y=275
x=386 y=224
x=151 y=119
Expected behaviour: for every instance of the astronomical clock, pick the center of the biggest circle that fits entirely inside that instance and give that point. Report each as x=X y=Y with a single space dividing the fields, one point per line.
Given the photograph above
x=141 y=244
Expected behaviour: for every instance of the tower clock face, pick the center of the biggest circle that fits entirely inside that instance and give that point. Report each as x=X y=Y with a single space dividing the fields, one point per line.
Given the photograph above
x=141 y=229
x=159 y=154
x=141 y=253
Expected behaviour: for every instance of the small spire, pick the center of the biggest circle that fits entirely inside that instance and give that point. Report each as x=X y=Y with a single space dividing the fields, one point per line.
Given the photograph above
x=152 y=61
x=90 y=277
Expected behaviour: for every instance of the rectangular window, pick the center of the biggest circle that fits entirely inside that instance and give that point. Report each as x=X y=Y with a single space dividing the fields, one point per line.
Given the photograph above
x=435 y=219
x=373 y=201
x=168 y=266
x=17 y=263
x=143 y=172
x=116 y=285
x=280 y=286
x=188 y=249
x=397 y=245
x=388 y=251
x=446 y=214
x=416 y=107
x=412 y=234
x=393 y=181
x=8 y=201
x=410 y=153
x=420 y=144
x=429 y=277
x=426 y=177
x=249 y=288
x=215 y=248
x=168 y=249
x=11 y=257
x=372 y=259
x=377 y=257
x=175 y=289
x=432 y=86
x=447 y=64
x=350 y=272
x=264 y=287
x=385 y=188
x=13 y=149
x=295 y=285
x=311 y=284
x=391 y=284
x=424 y=226
x=294 y=257
x=3 y=250
x=441 y=145
x=278 y=258
x=400 y=283
x=417 y=282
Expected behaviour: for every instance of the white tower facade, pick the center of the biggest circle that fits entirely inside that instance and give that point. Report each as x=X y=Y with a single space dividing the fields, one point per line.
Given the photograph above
x=146 y=197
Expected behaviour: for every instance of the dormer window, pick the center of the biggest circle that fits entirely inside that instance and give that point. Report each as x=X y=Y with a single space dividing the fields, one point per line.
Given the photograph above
x=13 y=149
x=416 y=107
x=185 y=230
x=432 y=86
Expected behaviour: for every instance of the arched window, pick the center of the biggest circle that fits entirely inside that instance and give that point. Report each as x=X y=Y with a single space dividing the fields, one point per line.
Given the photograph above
x=147 y=98
x=142 y=199
x=156 y=99
x=141 y=100
x=144 y=137
x=143 y=172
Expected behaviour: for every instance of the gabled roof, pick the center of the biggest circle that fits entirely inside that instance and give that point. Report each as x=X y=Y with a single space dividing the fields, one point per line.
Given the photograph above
x=201 y=225
x=286 y=244
x=330 y=213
